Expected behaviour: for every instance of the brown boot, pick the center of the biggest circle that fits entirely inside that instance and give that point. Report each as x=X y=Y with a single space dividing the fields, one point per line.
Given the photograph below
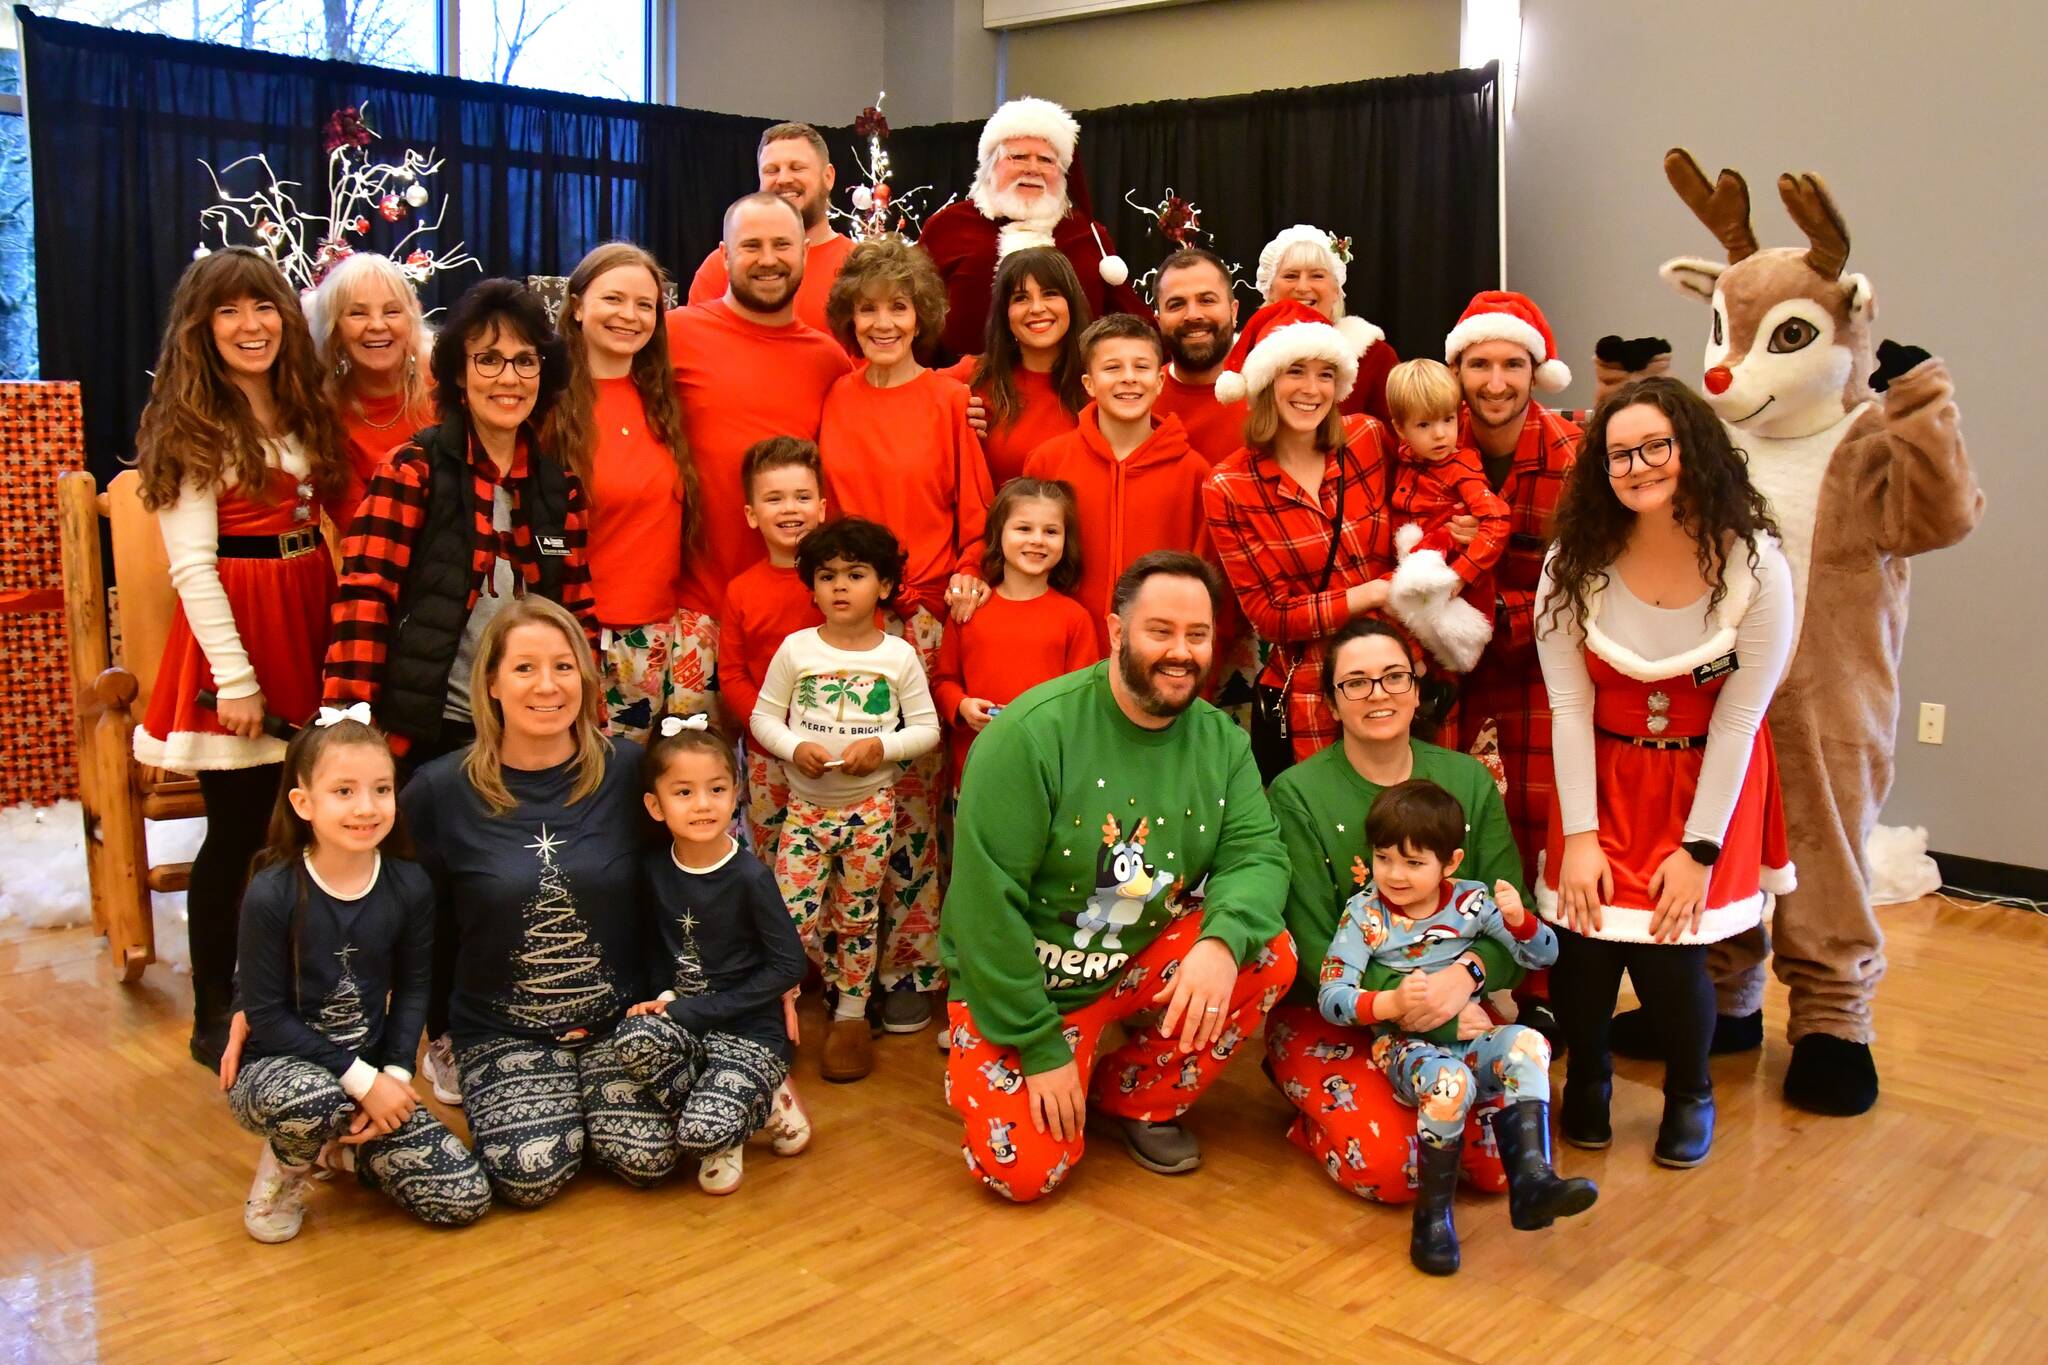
x=849 y=1050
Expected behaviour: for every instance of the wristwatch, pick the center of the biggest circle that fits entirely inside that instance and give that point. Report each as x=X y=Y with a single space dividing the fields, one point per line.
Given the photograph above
x=1703 y=851
x=1478 y=973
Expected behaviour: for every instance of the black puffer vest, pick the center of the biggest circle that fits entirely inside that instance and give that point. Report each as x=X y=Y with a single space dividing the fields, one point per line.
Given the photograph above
x=433 y=602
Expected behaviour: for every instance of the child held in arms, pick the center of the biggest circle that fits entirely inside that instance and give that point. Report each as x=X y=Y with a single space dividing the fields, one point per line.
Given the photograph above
x=1443 y=590
x=1409 y=917
x=845 y=706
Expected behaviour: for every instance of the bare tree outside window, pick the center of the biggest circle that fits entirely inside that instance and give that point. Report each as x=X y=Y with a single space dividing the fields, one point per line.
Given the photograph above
x=584 y=47
x=393 y=33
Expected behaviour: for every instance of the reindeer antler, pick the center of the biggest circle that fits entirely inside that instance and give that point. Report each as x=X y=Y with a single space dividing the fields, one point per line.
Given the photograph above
x=1723 y=206
x=1109 y=830
x=1139 y=838
x=1813 y=209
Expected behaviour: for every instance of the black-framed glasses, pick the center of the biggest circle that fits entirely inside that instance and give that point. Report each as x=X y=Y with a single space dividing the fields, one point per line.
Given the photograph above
x=490 y=364
x=1393 y=683
x=1654 y=453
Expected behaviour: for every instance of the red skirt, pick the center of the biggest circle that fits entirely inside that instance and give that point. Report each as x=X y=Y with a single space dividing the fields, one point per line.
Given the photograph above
x=282 y=609
x=1645 y=797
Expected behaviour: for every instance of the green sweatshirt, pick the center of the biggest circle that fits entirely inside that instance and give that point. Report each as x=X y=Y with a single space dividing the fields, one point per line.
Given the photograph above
x=1077 y=833
x=1321 y=804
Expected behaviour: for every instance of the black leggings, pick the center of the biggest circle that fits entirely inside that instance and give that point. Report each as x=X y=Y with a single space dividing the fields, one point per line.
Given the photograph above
x=1670 y=979
x=238 y=805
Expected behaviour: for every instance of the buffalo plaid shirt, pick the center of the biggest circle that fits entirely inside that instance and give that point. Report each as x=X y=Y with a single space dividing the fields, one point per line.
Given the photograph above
x=1431 y=492
x=1505 y=692
x=1273 y=539
x=378 y=550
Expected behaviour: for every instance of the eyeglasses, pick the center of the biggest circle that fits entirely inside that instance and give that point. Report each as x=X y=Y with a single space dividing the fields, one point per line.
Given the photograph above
x=1393 y=684
x=1655 y=453
x=490 y=364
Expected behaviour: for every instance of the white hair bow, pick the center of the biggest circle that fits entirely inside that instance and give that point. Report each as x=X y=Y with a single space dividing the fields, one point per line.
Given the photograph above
x=671 y=726
x=359 y=712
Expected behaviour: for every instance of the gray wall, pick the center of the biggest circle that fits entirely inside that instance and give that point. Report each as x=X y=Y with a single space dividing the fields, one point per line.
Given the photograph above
x=1911 y=114
x=778 y=59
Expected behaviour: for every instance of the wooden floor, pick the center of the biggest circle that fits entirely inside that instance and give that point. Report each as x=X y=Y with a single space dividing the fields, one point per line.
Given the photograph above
x=1919 y=1232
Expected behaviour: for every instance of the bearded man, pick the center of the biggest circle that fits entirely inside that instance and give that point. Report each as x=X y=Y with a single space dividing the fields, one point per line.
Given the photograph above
x=1019 y=200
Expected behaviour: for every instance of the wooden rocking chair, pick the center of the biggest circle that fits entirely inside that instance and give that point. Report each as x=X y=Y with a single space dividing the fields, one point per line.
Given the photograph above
x=116 y=792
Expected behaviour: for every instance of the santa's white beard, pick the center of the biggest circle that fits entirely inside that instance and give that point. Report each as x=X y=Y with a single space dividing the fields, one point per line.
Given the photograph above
x=1040 y=212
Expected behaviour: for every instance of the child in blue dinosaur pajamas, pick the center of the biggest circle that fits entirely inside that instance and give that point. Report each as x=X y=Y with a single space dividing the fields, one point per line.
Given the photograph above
x=1412 y=917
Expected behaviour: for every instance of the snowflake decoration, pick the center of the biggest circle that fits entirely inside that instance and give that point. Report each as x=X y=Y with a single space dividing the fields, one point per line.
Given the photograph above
x=878 y=210
x=360 y=192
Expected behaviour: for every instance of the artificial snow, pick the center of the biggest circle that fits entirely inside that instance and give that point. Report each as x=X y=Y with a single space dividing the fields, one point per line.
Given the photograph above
x=43 y=880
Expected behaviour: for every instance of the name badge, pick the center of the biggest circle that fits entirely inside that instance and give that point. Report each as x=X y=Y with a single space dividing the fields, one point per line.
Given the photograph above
x=558 y=546
x=1714 y=668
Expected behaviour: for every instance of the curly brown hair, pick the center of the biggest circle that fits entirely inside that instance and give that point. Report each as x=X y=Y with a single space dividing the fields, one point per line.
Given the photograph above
x=877 y=268
x=1714 y=500
x=198 y=427
x=1049 y=268
x=571 y=426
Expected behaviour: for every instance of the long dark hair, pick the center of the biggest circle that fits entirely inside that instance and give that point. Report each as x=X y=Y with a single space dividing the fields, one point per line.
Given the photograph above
x=1714 y=500
x=1050 y=269
x=197 y=427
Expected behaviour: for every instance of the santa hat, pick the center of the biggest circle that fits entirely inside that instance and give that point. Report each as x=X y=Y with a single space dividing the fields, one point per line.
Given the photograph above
x=1030 y=117
x=1503 y=315
x=1300 y=235
x=1280 y=334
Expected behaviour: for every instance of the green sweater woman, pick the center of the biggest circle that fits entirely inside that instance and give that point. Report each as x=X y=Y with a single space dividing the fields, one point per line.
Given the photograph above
x=1348 y=1117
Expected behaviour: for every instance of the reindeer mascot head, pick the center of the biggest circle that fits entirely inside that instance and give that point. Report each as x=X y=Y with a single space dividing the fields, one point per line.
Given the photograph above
x=1862 y=469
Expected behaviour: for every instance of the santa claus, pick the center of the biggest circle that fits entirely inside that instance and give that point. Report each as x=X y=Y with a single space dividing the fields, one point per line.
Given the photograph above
x=1020 y=200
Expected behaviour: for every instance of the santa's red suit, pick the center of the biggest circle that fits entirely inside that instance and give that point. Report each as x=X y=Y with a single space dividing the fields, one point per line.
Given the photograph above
x=964 y=246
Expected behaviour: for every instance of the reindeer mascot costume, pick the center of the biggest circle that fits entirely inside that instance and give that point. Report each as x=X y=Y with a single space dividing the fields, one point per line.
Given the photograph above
x=1862 y=470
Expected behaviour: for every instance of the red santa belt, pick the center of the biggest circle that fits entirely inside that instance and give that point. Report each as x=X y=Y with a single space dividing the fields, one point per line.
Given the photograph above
x=1657 y=741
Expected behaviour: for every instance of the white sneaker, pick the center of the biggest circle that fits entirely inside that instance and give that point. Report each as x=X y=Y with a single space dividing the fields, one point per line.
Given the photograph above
x=439 y=1066
x=276 y=1205
x=788 y=1127
x=720 y=1173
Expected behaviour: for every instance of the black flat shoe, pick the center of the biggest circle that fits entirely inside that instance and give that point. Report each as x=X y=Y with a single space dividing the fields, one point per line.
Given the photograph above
x=1686 y=1134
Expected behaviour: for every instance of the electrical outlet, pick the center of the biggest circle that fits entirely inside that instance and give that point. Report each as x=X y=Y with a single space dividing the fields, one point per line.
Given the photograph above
x=1933 y=722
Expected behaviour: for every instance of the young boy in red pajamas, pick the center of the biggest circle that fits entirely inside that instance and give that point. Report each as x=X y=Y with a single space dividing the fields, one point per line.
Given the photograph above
x=785 y=491
x=1443 y=591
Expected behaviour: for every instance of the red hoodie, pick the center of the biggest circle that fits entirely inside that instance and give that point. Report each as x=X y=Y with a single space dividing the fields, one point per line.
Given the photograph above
x=1149 y=500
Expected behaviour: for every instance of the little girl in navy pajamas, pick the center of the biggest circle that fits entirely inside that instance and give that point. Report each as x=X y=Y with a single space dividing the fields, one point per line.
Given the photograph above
x=715 y=1048
x=1411 y=917
x=330 y=926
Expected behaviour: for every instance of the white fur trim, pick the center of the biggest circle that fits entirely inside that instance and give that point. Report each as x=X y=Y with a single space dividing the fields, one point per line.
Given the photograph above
x=1553 y=375
x=1624 y=924
x=1275 y=251
x=1422 y=574
x=1407 y=536
x=1231 y=388
x=1453 y=630
x=195 y=751
x=1030 y=117
x=1283 y=346
x=1021 y=235
x=1779 y=881
x=1493 y=327
x=1727 y=617
x=1360 y=333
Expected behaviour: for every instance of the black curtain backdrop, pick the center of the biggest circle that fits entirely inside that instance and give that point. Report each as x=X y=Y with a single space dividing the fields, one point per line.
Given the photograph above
x=118 y=123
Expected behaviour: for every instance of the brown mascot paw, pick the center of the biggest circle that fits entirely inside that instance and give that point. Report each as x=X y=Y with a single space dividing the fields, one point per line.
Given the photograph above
x=1831 y=1075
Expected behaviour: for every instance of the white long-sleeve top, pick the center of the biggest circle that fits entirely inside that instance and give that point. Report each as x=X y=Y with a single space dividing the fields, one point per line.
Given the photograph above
x=191 y=531
x=1649 y=643
x=815 y=693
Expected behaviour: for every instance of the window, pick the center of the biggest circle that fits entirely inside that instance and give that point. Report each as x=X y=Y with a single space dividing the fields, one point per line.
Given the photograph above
x=397 y=33
x=17 y=223
x=585 y=47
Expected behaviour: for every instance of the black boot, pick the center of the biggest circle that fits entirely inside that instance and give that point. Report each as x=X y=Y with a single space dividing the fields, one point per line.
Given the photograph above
x=1537 y=1195
x=1831 y=1075
x=1632 y=1034
x=1582 y=1118
x=1433 y=1245
x=1687 y=1132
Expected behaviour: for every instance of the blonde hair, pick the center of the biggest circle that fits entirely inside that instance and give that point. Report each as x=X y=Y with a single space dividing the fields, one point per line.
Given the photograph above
x=483 y=765
x=1421 y=391
x=328 y=304
x=1262 y=424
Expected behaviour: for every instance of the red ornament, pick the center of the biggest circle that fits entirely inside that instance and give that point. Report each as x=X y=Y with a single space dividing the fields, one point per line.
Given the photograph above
x=392 y=207
x=871 y=123
x=419 y=258
x=882 y=194
x=361 y=224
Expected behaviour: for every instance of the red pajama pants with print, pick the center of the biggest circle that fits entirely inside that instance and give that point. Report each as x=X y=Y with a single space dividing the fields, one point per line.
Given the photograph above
x=1149 y=1077
x=1347 y=1117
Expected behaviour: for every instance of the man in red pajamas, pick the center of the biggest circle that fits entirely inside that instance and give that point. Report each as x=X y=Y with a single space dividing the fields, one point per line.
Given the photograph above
x=1501 y=350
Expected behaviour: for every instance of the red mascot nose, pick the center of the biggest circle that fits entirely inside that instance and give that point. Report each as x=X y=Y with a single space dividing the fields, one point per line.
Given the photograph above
x=1719 y=378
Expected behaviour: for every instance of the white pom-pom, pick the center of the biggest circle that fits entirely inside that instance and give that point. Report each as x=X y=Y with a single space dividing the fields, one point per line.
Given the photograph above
x=1407 y=536
x=1553 y=376
x=1230 y=387
x=416 y=194
x=201 y=252
x=1113 y=271
x=863 y=198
